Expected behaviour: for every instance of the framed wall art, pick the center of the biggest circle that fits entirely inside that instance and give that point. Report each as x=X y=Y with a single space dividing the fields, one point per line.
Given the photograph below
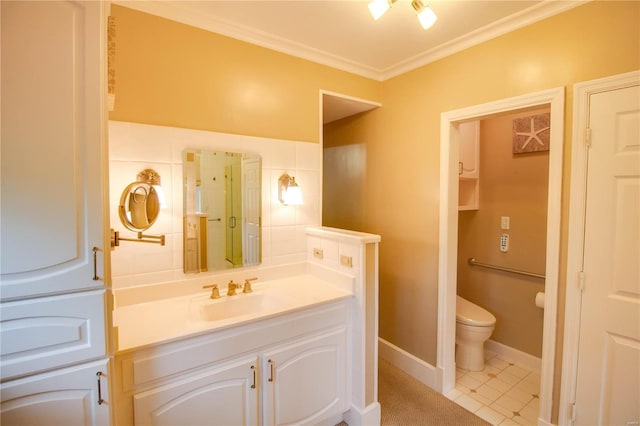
x=531 y=134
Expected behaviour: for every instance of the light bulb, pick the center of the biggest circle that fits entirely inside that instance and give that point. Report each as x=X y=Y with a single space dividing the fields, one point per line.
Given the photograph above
x=377 y=8
x=427 y=17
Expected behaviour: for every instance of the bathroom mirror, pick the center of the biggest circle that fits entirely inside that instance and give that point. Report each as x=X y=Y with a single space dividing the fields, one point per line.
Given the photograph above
x=222 y=210
x=139 y=206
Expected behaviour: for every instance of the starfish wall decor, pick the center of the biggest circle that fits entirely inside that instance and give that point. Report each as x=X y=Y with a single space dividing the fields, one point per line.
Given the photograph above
x=531 y=134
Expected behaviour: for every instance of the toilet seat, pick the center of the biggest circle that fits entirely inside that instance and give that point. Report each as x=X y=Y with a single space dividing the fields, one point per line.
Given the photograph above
x=471 y=314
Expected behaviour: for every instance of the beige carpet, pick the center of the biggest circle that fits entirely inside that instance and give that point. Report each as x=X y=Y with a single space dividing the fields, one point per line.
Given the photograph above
x=407 y=402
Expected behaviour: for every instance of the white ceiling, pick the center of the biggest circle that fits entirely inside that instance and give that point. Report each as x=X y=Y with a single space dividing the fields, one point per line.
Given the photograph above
x=342 y=34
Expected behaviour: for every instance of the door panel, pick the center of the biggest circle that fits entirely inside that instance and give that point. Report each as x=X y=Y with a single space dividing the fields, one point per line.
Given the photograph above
x=305 y=382
x=51 y=146
x=608 y=379
x=44 y=333
x=61 y=398
x=221 y=396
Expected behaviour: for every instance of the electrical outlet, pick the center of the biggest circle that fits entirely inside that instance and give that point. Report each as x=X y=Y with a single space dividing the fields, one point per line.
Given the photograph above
x=346 y=261
x=317 y=253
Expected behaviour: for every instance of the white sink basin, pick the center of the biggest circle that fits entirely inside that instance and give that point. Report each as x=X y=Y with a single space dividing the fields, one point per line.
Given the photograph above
x=241 y=304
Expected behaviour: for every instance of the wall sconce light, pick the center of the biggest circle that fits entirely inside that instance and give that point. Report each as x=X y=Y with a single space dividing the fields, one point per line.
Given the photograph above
x=289 y=191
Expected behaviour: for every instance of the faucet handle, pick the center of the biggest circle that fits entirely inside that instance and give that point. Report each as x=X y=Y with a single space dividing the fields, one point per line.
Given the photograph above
x=215 y=293
x=231 y=288
x=247 y=285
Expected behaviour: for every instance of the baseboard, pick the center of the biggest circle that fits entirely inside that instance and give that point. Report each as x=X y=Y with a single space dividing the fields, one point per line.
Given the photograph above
x=410 y=364
x=544 y=423
x=515 y=355
x=370 y=416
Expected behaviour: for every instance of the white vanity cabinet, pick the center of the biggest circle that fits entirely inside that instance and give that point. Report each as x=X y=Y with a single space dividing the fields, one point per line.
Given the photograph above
x=294 y=364
x=54 y=364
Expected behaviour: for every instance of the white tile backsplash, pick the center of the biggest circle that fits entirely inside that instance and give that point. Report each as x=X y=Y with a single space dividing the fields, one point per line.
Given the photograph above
x=134 y=147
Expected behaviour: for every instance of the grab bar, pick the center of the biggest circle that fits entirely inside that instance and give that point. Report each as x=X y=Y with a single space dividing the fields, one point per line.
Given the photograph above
x=472 y=261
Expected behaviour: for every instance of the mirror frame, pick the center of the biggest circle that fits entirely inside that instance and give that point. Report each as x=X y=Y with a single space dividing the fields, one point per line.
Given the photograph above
x=147 y=211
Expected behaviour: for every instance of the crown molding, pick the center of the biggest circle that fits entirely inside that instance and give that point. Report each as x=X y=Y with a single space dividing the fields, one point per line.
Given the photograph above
x=498 y=28
x=175 y=12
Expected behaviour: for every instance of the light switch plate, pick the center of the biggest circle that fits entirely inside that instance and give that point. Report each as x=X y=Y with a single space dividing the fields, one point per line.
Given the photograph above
x=505 y=222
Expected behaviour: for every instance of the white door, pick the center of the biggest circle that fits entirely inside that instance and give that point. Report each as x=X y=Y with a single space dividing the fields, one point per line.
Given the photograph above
x=251 y=211
x=608 y=372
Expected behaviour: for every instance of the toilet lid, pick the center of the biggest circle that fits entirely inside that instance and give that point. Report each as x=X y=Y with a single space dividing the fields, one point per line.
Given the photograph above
x=472 y=314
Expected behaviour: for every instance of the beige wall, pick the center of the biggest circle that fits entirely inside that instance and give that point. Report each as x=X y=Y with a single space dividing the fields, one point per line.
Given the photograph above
x=172 y=74
x=513 y=185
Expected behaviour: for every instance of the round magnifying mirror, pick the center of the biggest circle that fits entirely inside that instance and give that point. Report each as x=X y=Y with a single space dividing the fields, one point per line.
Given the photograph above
x=139 y=206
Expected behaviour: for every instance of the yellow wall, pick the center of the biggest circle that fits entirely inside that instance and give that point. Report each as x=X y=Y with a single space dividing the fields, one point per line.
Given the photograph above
x=513 y=185
x=592 y=41
x=172 y=74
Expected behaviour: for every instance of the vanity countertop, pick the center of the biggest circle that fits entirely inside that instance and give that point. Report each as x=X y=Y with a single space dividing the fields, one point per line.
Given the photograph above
x=164 y=320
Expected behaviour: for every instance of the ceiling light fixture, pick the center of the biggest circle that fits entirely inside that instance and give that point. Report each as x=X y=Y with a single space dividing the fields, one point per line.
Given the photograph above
x=425 y=15
x=377 y=8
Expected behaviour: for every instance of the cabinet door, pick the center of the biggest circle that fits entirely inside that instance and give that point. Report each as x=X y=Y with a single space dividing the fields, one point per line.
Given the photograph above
x=305 y=382
x=49 y=332
x=52 y=137
x=469 y=149
x=224 y=395
x=68 y=396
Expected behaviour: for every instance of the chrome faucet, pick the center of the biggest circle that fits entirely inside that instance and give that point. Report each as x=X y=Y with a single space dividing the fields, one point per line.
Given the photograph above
x=215 y=293
x=247 y=285
x=231 y=288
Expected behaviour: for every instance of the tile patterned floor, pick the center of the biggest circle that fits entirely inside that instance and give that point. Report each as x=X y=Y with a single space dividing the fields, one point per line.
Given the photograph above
x=504 y=393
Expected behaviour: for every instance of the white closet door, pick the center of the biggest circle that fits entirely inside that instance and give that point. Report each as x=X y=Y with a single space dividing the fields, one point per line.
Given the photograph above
x=608 y=382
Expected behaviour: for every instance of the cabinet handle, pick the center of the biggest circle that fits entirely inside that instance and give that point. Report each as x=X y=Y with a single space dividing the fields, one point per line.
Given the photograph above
x=271 y=370
x=253 y=368
x=100 y=400
x=460 y=167
x=95 y=263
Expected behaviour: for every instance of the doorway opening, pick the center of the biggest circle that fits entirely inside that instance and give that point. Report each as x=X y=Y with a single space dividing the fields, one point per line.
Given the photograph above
x=448 y=232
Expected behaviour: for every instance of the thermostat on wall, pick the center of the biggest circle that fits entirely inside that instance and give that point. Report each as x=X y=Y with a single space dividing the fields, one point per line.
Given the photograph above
x=504 y=243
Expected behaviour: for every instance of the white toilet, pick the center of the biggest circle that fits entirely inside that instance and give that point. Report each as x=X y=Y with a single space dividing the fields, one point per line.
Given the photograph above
x=474 y=326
